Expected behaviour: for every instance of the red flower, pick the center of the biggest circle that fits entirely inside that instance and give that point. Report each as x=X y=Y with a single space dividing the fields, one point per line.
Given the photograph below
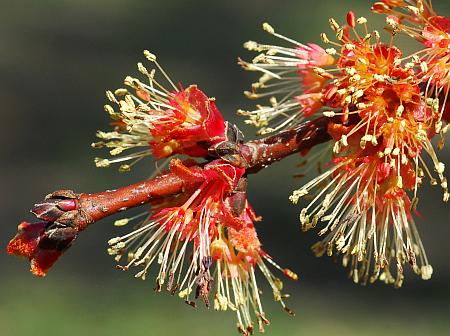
x=164 y=122
x=204 y=242
x=42 y=243
x=292 y=98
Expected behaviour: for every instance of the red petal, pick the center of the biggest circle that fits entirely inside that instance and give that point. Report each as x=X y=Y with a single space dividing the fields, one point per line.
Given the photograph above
x=26 y=240
x=43 y=260
x=351 y=19
x=446 y=114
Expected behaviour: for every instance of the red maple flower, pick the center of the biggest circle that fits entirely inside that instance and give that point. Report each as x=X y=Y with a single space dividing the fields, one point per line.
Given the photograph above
x=382 y=123
x=42 y=243
x=192 y=234
x=164 y=122
x=290 y=79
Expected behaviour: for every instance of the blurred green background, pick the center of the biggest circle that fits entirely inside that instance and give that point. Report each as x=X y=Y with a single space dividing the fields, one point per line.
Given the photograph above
x=56 y=60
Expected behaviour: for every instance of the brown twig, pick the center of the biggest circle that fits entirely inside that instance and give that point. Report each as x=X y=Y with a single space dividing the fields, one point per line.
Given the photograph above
x=263 y=152
x=86 y=209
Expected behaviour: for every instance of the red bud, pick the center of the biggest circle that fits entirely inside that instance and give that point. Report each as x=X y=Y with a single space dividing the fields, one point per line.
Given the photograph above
x=351 y=19
x=67 y=205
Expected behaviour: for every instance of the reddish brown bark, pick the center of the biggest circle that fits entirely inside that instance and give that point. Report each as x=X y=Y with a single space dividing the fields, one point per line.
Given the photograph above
x=89 y=208
x=263 y=152
x=94 y=207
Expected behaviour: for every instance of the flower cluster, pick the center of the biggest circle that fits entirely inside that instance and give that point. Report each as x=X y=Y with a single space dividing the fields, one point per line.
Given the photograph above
x=384 y=109
x=283 y=69
x=200 y=227
x=205 y=244
x=161 y=122
x=378 y=110
x=203 y=240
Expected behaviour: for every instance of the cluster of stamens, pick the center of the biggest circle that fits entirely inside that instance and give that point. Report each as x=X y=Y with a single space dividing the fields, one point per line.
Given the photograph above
x=290 y=102
x=205 y=245
x=139 y=110
x=382 y=119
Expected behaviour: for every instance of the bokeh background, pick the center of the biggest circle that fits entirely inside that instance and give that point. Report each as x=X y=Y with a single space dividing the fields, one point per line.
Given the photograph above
x=57 y=57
